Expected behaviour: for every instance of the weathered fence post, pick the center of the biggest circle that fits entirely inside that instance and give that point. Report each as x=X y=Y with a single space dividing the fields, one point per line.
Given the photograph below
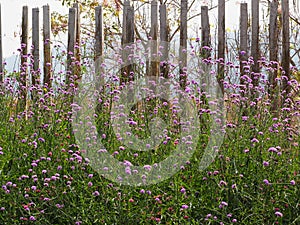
x=164 y=41
x=77 y=42
x=273 y=51
x=243 y=53
x=183 y=44
x=205 y=45
x=99 y=45
x=255 y=45
x=205 y=32
x=99 y=37
x=285 y=48
x=24 y=59
x=153 y=43
x=1 y=51
x=47 y=49
x=221 y=43
x=124 y=23
x=76 y=6
x=124 y=70
x=35 y=45
x=71 y=45
x=127 y=38
x=24 y=42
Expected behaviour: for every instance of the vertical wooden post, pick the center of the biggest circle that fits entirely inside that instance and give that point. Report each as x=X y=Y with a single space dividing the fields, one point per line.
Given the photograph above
x=243 y=54
x=125 y=9
x=76 y=5
x=1 y=50
x=255 y=44
x=35 y=44
x=273 y=39
x=71 y=45
x=273 y=43
x=99 y=37
x=205 y=52
x=24 y=59
x=285 y=47
x=77 y=42
x=153 y=43
x=164 y=39
x=24 y=43
x=124 y=70
x=221 y=43
x=47 y=49
x=127 y=38
x=183 y=44
x=205 y=32
x=130 y=25
x=99 y=45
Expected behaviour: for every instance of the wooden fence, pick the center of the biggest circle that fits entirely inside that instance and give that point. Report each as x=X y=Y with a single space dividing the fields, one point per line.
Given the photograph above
x=159 y=17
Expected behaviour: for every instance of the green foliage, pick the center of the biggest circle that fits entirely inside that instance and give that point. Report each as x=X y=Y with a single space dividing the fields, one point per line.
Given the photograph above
x=52 y=182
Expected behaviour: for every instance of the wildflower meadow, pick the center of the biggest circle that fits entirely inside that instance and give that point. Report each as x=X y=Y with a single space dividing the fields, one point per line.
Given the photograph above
x=91 y=148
